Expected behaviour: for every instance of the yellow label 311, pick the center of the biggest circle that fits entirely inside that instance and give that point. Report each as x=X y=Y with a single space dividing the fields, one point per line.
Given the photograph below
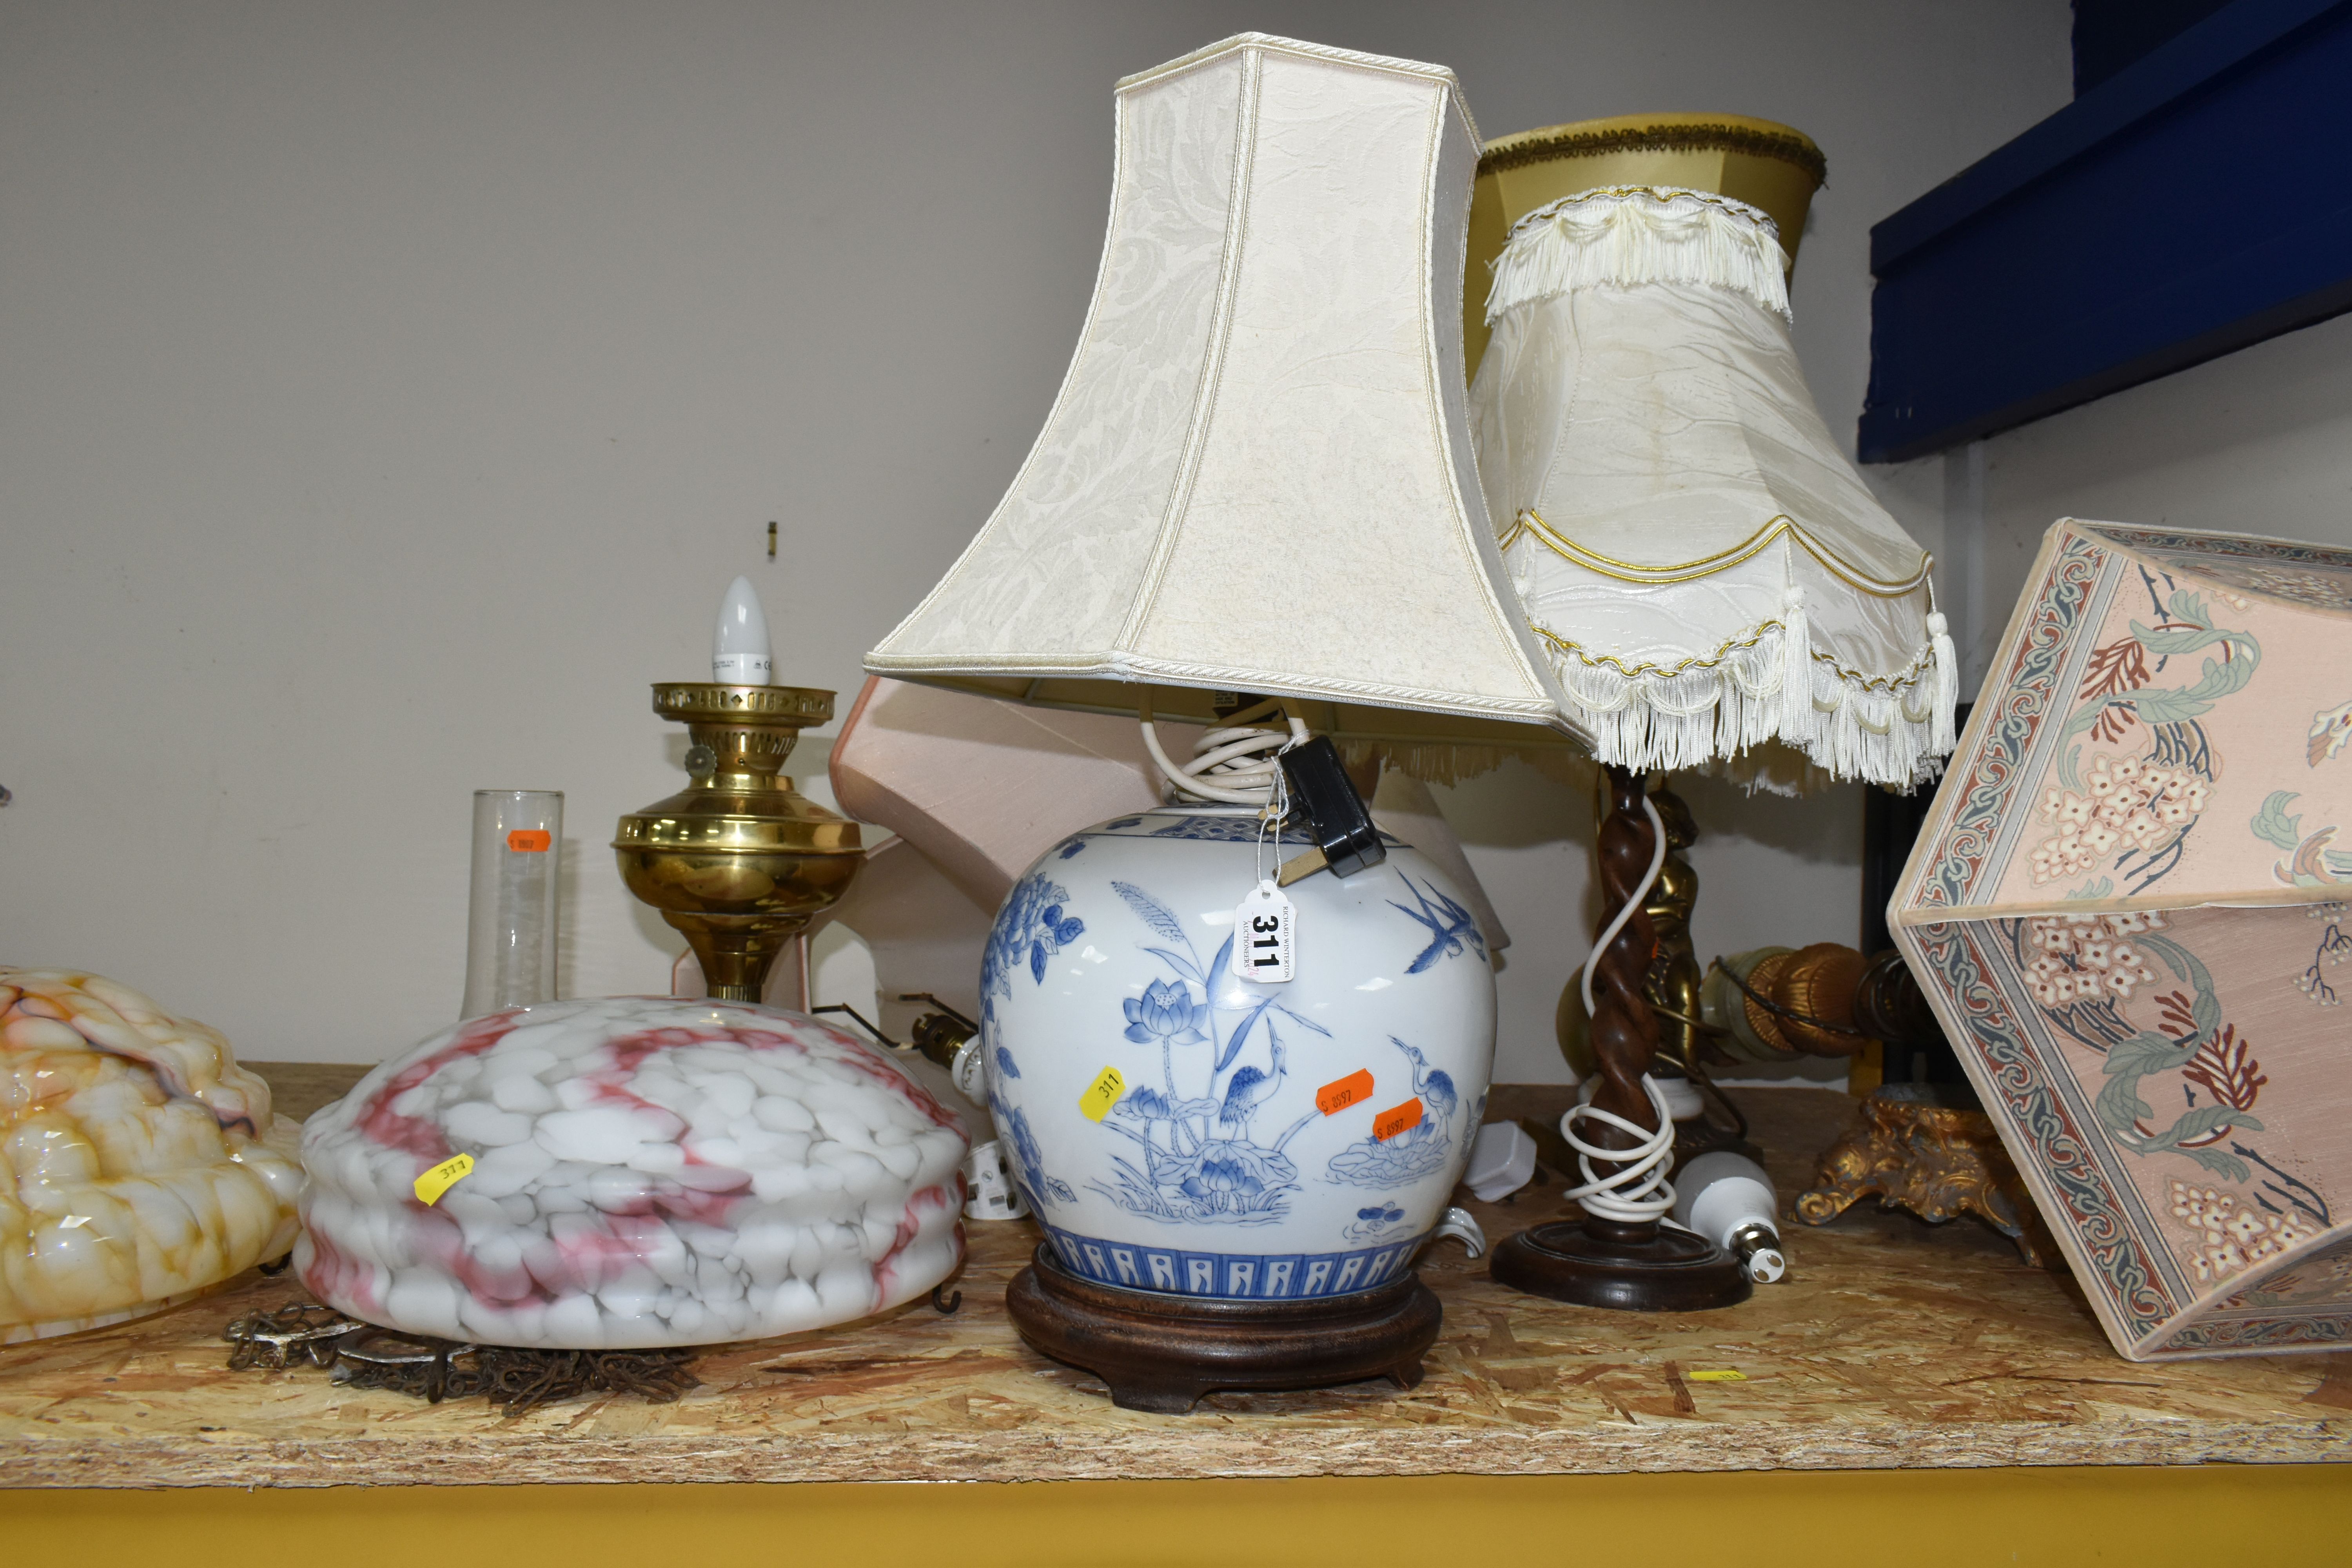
x=1096 y=1103
x=442 y=1177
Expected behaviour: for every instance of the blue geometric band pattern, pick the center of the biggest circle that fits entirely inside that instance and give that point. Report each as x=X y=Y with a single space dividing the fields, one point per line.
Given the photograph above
x=1232 y=1275
x=2027 y=693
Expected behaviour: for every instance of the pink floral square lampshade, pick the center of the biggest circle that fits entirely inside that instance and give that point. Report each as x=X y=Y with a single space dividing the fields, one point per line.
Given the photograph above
x=2128 y=907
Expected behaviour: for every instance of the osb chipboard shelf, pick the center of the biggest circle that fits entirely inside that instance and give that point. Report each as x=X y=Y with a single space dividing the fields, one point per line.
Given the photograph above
x=1891 y=1345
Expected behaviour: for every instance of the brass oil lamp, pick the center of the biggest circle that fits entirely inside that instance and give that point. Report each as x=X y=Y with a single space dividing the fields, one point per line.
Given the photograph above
x=738 y=860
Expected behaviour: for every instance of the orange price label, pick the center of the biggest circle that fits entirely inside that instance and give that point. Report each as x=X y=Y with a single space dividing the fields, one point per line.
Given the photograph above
x=1402 y=1118
x=1340 y=1093
x=530 y=840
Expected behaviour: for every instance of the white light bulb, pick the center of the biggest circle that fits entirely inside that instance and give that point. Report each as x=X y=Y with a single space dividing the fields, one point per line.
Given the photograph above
x=740 y=655
x=1728 y=1199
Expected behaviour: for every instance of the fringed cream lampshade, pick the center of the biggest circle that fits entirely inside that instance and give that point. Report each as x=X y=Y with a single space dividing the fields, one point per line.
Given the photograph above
x=1759 y=162
x=1706 y=572
x=1258 y=477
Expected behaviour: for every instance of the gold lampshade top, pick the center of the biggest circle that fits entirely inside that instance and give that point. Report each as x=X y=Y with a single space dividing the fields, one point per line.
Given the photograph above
x=1759 y=162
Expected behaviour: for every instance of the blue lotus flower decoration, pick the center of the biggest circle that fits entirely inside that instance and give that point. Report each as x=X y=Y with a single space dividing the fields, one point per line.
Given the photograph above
x=1146 y=1103
x=1166 y=1012
x=1234 y=1178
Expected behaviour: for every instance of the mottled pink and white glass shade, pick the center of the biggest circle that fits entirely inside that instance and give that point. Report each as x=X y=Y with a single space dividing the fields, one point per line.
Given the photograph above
x=143 y=1165
x=647 y=1172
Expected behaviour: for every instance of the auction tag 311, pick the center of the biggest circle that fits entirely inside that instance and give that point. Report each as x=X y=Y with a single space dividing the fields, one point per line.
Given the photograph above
x=1265 y=935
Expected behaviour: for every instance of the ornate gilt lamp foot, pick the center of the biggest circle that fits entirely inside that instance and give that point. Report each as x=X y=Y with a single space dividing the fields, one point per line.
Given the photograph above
x=738 y=860
x=1927 y=1150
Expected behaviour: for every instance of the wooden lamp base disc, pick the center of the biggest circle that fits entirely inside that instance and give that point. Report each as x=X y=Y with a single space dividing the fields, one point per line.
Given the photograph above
x=1596 y=1265
x=1162 y=1353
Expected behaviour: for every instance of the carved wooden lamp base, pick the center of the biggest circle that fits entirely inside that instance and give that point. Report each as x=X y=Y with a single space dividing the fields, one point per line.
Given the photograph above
x=1625 y=1267
x=1162 y=1353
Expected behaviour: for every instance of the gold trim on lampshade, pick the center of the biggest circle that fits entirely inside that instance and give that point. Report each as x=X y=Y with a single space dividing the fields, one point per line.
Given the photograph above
x=1530 y=522
x=1759 y=162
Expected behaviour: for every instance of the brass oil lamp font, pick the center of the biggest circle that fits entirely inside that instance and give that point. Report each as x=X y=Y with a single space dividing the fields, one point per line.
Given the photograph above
x=738 y=860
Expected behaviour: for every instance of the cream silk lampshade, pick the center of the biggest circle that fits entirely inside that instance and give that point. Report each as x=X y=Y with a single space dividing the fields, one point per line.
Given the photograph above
x=1711 y=581
x=1258 y=475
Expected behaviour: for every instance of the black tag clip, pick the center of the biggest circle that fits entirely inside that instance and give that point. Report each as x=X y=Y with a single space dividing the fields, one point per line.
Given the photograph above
x=1346 y=841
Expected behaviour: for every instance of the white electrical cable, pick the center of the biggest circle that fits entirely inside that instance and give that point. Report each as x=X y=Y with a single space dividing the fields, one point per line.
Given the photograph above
x=1234 y=763
x=1649 y=879
x=1638 y=1190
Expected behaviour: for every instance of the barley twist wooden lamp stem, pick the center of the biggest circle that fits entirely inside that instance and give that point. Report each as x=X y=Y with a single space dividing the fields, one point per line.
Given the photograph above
x=1618 y=1255
x=1625 y=1030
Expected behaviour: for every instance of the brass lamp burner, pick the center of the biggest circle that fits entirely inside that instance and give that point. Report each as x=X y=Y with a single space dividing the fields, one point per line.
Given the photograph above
x=738 y=860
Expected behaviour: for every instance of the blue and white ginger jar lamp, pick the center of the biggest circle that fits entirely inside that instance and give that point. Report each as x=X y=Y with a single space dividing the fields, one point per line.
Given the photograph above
x=1177 y=1128
x=1256 y=478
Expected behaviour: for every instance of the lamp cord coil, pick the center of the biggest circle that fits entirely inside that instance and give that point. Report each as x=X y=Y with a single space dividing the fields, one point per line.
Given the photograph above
x=1233 y=762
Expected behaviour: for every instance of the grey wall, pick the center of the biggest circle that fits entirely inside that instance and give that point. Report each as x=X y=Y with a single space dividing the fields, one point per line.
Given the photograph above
x=2259 y=442
x=386 y=394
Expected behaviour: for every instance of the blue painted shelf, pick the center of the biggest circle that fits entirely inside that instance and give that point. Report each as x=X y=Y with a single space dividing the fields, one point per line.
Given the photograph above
x=2197 y=201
